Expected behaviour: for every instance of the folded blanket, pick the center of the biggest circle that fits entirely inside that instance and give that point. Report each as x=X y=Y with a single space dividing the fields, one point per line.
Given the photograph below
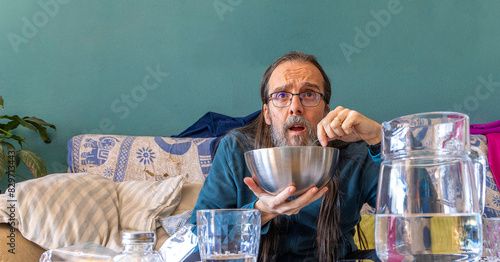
x=216 y=125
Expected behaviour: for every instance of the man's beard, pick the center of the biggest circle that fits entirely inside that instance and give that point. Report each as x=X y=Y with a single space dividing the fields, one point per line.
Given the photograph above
x=279 y=138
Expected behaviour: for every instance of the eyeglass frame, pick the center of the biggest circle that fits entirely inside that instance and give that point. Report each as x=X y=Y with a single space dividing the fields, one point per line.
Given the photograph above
x=270 y=96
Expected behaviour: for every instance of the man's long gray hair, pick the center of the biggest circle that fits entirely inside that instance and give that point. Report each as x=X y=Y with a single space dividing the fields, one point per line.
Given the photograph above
x=259 y=134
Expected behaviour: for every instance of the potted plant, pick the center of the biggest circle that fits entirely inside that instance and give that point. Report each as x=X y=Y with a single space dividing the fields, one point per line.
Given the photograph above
x=10 y=157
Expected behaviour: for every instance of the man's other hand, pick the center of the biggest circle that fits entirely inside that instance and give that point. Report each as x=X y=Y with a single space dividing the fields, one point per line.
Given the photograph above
x=348 y=125
x=274 y=205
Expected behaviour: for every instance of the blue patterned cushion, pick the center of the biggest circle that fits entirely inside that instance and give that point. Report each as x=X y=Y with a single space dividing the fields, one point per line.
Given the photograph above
x=124 y=158
x=492 y=199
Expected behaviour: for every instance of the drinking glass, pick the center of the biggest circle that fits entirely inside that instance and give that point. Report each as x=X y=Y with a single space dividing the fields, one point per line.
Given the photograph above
x=230 y=235
x=491 y=242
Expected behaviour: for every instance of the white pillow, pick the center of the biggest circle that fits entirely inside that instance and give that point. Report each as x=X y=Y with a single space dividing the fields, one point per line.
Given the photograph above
x=62 y=210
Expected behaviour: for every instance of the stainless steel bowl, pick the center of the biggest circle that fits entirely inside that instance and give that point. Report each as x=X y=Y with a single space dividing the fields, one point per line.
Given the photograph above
x=305 y=166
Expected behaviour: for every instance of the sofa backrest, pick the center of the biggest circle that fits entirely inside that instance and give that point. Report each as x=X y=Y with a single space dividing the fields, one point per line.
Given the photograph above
x=124 y=158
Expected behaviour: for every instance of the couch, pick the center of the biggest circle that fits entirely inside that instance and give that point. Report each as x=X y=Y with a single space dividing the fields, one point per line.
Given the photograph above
x=133 y=171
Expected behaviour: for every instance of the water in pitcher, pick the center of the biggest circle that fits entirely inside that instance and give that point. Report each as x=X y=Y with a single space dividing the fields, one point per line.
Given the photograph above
x=428 y=237
x=230 y=258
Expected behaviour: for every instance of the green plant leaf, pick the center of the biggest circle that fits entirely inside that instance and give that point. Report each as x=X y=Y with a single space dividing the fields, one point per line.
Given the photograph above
x=42 y=131
x=19 y=139
x=39 y=121
x=34 y=163
x=16 y=118
x=8 y=145
x=4 y=131
x=11 y=125
x=3 y=163
x=39 y=125
x=18 y=160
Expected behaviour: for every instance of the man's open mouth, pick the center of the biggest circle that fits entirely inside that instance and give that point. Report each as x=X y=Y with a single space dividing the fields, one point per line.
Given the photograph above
x=297 y=127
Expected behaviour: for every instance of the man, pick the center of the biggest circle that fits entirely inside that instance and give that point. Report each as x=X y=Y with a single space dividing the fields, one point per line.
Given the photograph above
x=295 y=93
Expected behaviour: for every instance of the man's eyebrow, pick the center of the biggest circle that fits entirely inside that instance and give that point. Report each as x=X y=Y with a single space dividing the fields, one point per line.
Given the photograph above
x=308 y=84
x=282 y=88
x=288 y=86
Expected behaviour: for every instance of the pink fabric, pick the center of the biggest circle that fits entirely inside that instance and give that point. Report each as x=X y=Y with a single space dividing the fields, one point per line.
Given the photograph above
x=494 y=155
x=483 y=131
x=492 y=132
x=394 y=255
x=486 y=126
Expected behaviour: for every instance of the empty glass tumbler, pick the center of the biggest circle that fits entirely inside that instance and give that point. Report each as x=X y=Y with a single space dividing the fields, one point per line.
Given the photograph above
x=429 y=199
x=138 y=247
x=231 y=235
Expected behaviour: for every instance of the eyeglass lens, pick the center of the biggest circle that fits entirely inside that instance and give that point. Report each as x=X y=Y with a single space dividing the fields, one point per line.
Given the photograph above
x=284 y=99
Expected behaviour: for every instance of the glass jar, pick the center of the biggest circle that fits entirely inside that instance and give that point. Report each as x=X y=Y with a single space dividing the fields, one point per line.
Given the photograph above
x=429 y=199
x=138 y=247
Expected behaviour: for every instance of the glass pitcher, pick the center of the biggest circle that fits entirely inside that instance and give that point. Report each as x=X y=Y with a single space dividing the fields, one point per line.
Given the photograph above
x=430 y=190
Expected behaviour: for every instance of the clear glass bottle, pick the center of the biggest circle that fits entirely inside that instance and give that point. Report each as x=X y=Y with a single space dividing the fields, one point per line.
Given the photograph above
x=138 y=247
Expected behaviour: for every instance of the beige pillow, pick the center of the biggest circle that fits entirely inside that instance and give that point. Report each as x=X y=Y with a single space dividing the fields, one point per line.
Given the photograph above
x=139 y=201
x=189 y=196
x=62 y=210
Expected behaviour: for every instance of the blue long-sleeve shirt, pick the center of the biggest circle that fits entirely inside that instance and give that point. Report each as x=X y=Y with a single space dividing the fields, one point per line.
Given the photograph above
x=224 y=188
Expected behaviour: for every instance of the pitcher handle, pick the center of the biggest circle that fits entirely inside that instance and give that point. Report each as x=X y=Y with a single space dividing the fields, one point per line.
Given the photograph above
x=479 y=161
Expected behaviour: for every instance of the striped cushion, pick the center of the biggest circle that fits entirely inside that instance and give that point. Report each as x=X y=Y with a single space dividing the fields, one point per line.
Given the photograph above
x=62 y=210
x=139 y=201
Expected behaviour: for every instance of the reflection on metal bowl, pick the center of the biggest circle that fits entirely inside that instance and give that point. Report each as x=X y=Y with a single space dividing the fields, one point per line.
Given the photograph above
x=304 y=166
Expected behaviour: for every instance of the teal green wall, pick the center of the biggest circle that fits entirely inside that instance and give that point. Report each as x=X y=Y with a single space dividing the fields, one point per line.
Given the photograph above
x=75 y=63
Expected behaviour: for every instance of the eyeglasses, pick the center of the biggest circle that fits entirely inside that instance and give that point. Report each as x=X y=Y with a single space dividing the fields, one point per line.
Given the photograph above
x=307 y=98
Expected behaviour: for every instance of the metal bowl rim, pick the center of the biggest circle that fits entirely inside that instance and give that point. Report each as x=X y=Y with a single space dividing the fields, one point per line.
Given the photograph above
x=291 y=147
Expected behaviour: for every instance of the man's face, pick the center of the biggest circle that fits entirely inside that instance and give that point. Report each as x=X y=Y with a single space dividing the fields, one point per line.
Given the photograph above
x=296 y=124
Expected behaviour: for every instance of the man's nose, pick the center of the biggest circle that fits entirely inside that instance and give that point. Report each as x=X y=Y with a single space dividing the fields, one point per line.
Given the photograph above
x=296 y=107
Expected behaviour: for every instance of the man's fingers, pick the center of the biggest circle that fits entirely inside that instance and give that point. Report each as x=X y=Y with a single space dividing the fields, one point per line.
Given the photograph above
x=272 y=201
x=322 y=134
x=256 y=189
x=337 y=110
x=347 y=125
x=317 y=195
x=283 y=196
x=330 y=127
x=340 y=122
x=313 y=194
x=351 y=119
x=336 y=126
